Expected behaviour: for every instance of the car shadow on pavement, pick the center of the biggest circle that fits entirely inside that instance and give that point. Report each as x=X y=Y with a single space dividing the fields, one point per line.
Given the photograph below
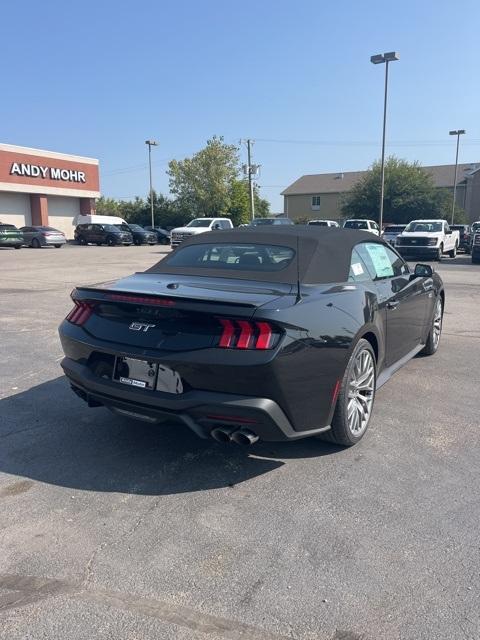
x=49 y=435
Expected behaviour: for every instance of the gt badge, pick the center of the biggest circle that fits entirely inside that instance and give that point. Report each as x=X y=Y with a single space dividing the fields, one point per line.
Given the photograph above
x=141 y=326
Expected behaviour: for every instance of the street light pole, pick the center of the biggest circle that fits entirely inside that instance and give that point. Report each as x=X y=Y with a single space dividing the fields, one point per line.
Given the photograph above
x=457 y=133
x=380 y=59
x=151 y=143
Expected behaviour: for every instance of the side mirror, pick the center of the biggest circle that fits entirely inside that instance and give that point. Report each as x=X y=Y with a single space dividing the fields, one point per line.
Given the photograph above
x=216 y=226
x=423 y=271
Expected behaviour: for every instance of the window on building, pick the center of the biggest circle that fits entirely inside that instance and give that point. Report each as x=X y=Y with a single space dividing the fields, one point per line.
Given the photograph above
x=315 y=203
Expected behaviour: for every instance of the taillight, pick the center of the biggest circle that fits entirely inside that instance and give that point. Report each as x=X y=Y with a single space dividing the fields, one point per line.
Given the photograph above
x=247 y=334
x=80 y=313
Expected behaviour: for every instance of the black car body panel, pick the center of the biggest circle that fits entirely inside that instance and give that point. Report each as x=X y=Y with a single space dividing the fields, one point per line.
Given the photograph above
x=102 y=234
x=139 y=234
x=285 y=391
x=163 y=236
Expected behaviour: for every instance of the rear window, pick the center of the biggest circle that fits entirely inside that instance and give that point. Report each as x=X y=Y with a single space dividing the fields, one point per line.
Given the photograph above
x=237 y=257
x=393 y=229
x=319 y=223
x=7 y=226
x=355 y=224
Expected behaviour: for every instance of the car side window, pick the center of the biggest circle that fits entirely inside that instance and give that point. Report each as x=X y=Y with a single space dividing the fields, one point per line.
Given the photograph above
x=381 y=261
x=358 y=270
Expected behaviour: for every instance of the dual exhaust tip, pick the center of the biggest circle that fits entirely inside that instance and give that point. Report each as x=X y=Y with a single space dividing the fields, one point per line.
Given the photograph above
x=241 y=436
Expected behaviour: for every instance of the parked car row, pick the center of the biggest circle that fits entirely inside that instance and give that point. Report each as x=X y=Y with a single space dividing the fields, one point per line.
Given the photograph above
x=34 y=236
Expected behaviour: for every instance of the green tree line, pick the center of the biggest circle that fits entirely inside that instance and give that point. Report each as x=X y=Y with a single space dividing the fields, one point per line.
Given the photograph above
x=207 y=184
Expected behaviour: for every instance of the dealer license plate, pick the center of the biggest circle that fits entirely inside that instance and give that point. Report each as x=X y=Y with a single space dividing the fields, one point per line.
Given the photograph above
x=145 y=374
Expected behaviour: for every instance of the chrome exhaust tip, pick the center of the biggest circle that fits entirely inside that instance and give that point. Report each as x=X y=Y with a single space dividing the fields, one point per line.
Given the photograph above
x=244 y=437
x=222 y=434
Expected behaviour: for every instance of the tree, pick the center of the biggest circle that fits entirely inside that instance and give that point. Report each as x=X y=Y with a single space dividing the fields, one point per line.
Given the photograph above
x=202 y=184
x=409 y=193
x=107 y=206
x=239 y=210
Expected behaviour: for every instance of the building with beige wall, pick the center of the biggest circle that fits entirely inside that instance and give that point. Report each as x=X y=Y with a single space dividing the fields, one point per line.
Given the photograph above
x=321 y=195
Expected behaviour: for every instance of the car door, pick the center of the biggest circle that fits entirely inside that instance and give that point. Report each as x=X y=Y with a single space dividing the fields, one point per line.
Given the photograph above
x=405 y=299
x=28 y=234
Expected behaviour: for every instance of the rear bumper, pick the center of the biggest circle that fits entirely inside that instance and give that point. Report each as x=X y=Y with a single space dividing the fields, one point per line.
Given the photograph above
x=201 y=411
x=11 y=242
x=53 y=242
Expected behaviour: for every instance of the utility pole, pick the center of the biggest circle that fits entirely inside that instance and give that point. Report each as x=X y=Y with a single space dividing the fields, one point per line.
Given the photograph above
x=250 y=170
x=250 y=181
x=151 y=143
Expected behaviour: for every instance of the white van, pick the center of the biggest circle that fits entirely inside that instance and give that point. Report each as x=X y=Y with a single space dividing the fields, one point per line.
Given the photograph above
x=97 y=219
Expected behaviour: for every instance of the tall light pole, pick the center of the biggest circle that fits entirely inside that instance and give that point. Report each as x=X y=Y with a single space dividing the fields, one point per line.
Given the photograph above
x=457 y=133
x=380 y=59
x=151 y=143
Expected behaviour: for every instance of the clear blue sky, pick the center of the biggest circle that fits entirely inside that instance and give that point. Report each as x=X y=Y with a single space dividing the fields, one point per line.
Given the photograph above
x=98 y=77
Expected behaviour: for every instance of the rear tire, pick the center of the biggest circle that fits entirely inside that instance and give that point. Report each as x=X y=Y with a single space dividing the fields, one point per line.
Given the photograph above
x=435 y=332
x=111 y=241
x=475 y=260
x=81 y=240
x=36 y=243
x=355 y=399
x=18 y=246
x=58 y=246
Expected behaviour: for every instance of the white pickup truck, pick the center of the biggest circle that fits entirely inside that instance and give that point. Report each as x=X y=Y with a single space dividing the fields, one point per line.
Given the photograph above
x=429 y=239
x=199 y=225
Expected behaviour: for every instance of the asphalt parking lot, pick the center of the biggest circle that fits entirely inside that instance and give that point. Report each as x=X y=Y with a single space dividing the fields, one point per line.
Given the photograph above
x=111 y=528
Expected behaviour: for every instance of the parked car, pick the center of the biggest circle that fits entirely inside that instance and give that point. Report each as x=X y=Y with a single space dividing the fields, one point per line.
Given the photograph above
x=260 y=336
x=197 y=226
x=391 y=232
x=163 y=236
x=323 y=223
x=139 y=234
x=41 y=236
x=10 y=236
x=464 y=236
x=428 y=238
x=99 y=234
x=262 y=222
x=363 y=225
x=474 y=228
x=475 y=248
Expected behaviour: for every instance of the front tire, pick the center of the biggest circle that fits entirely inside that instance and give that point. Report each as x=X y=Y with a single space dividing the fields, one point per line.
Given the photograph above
x=58 y=246
x=439 y=253
x=36 y=243
x=435 y=332
x=356 y=397
x=453 y=252
x=111 y=242
x=18 y=246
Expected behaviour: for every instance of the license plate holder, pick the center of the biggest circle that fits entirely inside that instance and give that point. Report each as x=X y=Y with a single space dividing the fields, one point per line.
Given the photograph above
x=145 y=374
x=141 y=374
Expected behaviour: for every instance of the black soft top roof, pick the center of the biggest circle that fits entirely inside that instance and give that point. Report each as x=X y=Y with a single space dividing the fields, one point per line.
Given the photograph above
x=322 y=254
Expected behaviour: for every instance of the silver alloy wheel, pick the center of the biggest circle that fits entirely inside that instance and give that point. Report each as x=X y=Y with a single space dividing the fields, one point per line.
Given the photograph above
x=437 y=324
x=361 y=391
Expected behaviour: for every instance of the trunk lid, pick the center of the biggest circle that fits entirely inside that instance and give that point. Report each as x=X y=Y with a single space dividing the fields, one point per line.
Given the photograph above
x=173 y=313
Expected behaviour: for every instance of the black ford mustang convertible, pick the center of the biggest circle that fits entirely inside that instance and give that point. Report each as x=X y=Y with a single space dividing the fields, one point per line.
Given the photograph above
x=274 y=334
